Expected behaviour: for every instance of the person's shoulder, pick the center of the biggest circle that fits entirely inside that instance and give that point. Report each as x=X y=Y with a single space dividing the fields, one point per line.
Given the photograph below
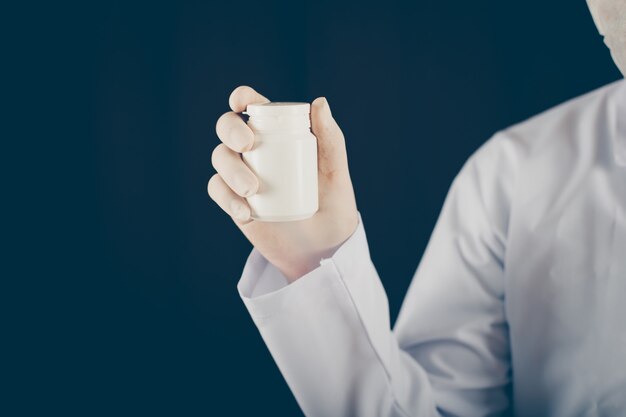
x=533 y=148
x=562 y=125
x=553 y=132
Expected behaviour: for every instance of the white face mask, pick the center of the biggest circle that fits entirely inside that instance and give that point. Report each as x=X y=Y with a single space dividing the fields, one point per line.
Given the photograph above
x=610 y=18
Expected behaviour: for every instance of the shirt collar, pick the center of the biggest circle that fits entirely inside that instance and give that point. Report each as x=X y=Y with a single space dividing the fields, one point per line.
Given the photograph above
x=620 y=125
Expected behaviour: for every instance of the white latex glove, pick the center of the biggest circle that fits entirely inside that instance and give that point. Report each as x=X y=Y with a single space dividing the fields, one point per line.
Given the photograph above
x=295 y=248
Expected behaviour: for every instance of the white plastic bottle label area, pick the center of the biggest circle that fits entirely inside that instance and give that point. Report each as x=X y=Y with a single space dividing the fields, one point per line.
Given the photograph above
x=284 y=159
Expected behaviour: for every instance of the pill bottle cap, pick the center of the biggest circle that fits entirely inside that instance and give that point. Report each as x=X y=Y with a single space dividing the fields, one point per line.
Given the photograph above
x=279 y=116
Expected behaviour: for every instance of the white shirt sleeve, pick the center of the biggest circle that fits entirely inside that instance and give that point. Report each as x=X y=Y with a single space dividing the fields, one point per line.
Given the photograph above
x=330 y=335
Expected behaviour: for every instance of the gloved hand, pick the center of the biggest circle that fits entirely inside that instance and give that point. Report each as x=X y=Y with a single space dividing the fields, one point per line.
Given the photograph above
x=296 y=247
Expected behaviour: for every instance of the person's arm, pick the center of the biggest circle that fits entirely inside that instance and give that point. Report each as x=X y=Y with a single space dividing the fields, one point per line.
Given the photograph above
x=329 y=331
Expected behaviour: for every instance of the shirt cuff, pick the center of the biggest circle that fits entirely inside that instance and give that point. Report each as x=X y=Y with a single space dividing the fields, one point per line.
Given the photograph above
x=260 y=278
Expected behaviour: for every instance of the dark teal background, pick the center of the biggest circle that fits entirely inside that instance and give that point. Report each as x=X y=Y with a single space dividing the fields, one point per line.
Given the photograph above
x=130 y=269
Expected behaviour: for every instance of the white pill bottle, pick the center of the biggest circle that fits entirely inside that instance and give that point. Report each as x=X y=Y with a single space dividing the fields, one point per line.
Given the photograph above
x=284 y=159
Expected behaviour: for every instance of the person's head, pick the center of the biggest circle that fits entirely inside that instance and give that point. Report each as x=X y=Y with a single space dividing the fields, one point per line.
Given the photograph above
x=610 y=18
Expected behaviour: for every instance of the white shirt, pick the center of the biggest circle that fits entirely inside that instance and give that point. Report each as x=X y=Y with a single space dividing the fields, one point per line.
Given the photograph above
x=518 y=303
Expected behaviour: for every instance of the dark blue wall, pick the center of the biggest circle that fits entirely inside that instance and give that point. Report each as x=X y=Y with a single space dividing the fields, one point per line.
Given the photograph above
x=149 y=321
